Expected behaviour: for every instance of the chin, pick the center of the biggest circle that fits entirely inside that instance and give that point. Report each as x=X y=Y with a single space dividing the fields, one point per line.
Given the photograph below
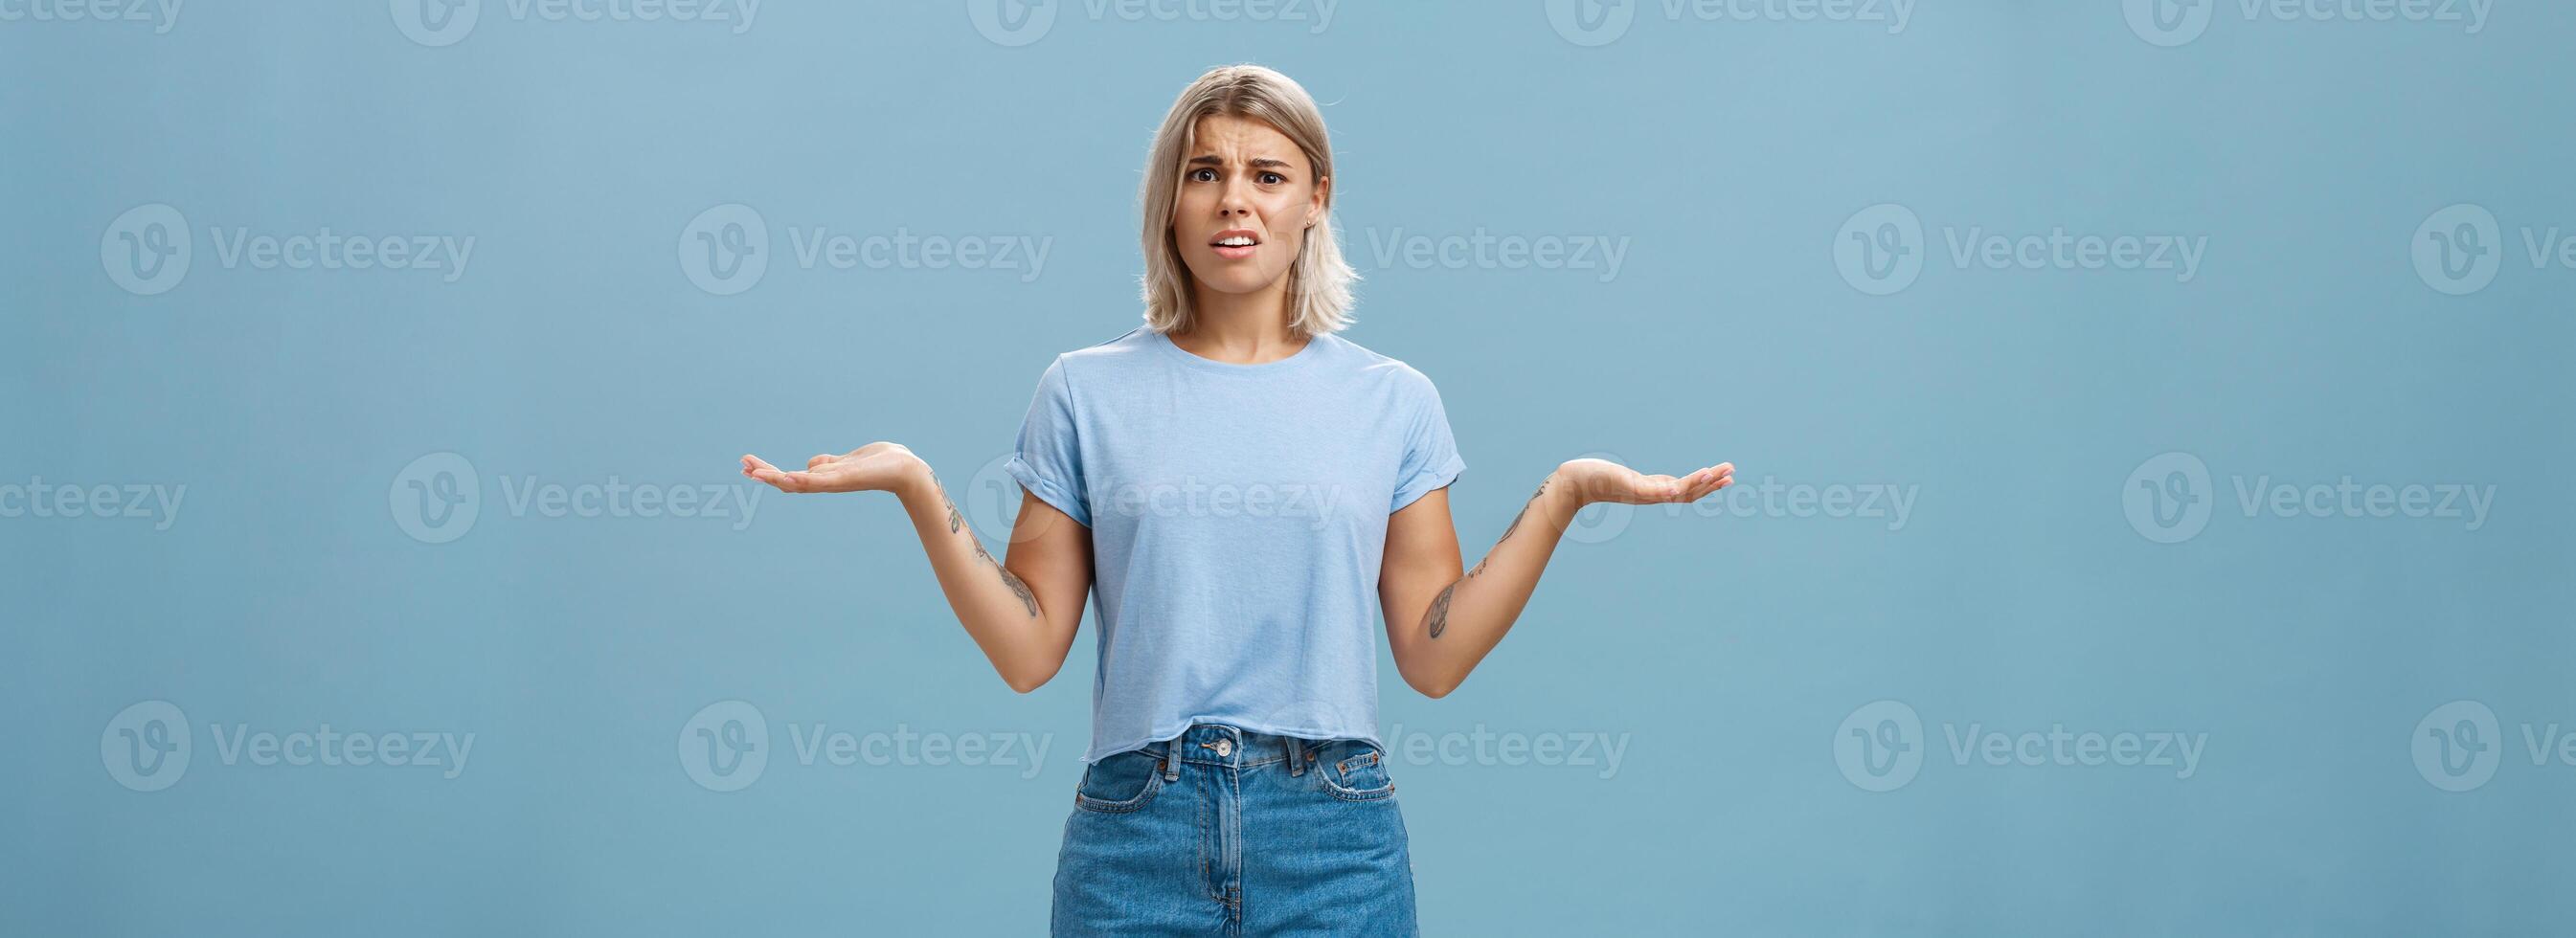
x=1238 y=281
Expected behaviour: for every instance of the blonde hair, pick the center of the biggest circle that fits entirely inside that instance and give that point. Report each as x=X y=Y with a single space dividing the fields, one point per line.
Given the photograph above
x=1319 y=283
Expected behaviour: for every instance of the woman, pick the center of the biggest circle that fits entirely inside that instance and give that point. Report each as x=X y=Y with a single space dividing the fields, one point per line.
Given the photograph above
x=1235 y=477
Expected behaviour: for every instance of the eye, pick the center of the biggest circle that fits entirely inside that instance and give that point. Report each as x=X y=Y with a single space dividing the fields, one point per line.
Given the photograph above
x=1272 y=179
x=1203 y=174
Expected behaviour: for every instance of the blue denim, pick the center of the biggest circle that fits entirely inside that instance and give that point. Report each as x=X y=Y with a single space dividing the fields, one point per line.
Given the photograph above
x=1225 y=831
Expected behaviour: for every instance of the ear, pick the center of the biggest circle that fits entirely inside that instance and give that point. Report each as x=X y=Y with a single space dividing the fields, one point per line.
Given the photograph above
x=1323 y=197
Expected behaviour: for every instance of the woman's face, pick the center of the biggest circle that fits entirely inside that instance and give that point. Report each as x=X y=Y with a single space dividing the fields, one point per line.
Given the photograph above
x=1244 y=205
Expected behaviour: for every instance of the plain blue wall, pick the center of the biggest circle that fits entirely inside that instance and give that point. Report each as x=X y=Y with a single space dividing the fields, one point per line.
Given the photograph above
x=1731 y=653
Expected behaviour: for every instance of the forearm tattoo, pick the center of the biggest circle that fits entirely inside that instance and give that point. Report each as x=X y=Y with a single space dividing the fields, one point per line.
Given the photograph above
x=957 y=520
x=1439 y=615
x=1525 y=507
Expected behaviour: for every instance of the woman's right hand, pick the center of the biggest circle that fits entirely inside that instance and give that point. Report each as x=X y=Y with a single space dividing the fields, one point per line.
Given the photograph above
x=876 y=467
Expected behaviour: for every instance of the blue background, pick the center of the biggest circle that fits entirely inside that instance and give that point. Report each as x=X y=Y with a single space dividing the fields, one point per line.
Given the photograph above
x=1726 y=648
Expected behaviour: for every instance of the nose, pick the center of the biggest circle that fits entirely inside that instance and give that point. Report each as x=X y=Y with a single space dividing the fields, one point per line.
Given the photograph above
x=1233 y=202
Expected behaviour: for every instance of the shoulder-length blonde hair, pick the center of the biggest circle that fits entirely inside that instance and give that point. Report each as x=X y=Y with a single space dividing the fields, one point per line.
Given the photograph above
x=1319 y=284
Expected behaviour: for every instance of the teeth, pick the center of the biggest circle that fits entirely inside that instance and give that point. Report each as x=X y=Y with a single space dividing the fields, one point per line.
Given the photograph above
x=1238 y=241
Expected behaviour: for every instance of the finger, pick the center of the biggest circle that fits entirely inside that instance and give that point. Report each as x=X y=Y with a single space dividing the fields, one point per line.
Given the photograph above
x=1656 y=488
x=783 y=481
x=820 y=460
x=1710 y=480
x=751 y=463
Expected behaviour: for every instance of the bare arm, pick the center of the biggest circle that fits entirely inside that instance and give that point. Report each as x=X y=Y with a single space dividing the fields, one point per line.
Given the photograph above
x=1440 y=622
x=1022 y=612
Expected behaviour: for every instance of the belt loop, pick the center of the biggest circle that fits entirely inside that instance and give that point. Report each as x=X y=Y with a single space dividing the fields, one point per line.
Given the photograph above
x=1296 y=762
x=1172 y=759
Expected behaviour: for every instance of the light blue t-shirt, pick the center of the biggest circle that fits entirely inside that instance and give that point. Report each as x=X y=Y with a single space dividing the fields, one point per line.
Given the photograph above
x=1238 y=518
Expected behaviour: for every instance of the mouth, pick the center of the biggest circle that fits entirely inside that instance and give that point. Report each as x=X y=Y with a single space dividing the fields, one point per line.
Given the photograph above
x=1236 y=244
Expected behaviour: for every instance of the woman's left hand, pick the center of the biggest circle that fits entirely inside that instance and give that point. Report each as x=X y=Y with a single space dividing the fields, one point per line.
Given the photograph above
x=1600 y=480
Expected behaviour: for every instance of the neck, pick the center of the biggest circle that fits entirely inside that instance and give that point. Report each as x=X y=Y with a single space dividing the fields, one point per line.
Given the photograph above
x=1242 y=329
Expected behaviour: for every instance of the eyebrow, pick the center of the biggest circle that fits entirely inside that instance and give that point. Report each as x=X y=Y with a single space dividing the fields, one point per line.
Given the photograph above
x=1258 y=162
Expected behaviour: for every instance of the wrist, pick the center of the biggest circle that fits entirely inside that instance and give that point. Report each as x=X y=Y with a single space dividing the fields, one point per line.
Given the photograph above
x=1566 y=485
x=1563 y=488
x=916 y=483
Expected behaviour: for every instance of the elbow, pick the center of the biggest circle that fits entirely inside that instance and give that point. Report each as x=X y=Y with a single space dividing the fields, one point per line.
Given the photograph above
x=1025 y=680
x=1435 y=688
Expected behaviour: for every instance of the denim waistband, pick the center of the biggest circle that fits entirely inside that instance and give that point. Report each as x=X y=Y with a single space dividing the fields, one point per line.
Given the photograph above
x=1218 y=744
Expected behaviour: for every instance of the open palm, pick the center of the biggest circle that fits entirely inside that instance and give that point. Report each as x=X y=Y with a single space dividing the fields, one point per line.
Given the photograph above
x=1600 y=480
x=875 y=467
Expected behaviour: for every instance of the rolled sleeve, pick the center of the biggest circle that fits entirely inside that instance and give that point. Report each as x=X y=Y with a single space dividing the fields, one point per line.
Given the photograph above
x=1048 y=461
x=1431 y=457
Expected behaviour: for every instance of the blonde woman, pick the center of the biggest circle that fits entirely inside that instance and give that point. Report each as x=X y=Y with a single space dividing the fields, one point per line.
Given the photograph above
x=1248 y=490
